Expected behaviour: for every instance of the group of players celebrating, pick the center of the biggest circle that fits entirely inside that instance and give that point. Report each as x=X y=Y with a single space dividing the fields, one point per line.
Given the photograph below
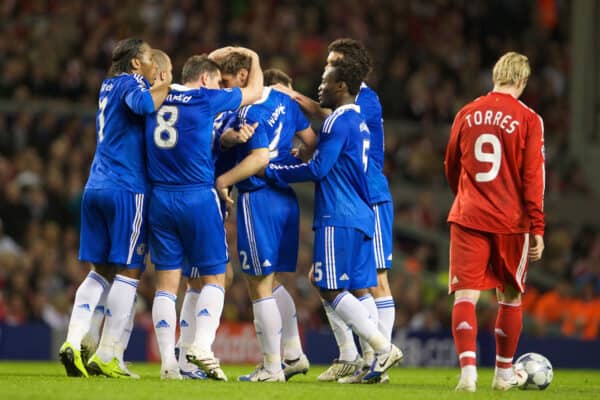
x=166 y=159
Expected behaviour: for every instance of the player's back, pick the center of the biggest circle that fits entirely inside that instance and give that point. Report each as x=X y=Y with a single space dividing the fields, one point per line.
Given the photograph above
x=496 y=143
x=180 y=136
x=370 y=108
x=342 y=196
x=119 y=158
x=277 y=117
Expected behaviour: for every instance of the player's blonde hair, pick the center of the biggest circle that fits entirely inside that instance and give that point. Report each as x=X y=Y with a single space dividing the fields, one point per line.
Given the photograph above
x=511 y=68
x=162 y=59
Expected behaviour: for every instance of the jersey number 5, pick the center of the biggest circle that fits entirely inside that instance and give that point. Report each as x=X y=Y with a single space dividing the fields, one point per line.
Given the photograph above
x=165 y=134
x=494 y=158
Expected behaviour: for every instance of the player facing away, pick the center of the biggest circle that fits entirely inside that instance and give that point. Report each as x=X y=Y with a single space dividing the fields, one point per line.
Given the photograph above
x=185 y=218
x=343 y=219
x=113 y=210
x=347 y=367
x=495 y=166
x=268 y=224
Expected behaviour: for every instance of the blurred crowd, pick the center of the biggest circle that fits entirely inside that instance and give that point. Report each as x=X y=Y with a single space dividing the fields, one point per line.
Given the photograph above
x=430 y=59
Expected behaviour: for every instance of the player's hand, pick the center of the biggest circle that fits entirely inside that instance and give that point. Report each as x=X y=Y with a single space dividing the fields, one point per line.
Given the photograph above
x=536 y=248
x=286 y=89
x=295 y=152
x=246 y=132
x=223 y=191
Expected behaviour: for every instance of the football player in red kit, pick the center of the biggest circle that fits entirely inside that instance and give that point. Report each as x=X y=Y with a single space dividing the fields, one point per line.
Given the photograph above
x=495 y=166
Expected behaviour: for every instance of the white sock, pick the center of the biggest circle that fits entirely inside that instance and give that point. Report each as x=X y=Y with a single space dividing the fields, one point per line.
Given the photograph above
x=118 y=308
x=290 y=338
x=355 y=315
x=342 y=333
x=469 y=372
x=208 y=316
x=92 y=337
x=367 y=351
x=164 y=318
x=122 y=346
x=387 y=313
x=267 y=322
x=187 y=327
x=87 y=297
x=504 y=373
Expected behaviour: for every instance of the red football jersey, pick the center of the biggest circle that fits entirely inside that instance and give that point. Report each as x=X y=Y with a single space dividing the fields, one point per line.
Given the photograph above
x=495 y=166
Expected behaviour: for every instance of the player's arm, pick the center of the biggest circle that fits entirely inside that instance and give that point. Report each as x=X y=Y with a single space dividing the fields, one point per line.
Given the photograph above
x=309 y=143
x=232 y=137
x=309 y=106
x=452 y=161
x=141 y=100
x=252 y=164
x=318 y=167
x=253 y=90
x=533 y=177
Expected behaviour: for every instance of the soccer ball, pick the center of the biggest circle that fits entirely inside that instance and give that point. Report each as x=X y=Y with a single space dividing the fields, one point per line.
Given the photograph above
x=538 y=369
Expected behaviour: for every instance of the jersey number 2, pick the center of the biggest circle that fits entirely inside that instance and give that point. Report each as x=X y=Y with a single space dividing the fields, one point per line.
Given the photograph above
x=494 y=158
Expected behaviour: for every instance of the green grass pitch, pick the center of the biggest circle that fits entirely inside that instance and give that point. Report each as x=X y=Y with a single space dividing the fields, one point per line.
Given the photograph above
x=47 y=381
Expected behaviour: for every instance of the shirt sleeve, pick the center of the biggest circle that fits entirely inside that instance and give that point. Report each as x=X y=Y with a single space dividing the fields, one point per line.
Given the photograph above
x=452 y=160
x=138 y=98
x=224 y=99
x=534 y=178
x=327 y=152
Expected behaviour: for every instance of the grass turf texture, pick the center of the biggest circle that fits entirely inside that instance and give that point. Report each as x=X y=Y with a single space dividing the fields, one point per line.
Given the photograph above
x=47 y=380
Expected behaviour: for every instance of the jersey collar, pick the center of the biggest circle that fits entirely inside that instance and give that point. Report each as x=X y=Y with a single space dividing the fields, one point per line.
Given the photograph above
x=349 y=107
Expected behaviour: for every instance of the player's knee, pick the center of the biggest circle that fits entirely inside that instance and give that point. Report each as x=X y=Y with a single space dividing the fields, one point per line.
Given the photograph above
x=107 y=271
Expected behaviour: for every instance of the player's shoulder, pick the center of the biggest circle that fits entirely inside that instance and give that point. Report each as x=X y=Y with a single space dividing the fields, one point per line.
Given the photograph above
x=342 y=116
x=257 y=110
x=529 y=112
x=367 y=98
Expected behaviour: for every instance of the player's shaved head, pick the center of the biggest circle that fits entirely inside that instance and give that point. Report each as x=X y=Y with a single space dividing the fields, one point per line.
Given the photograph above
x=162 y=60
x=196 y=66
x=274 y=76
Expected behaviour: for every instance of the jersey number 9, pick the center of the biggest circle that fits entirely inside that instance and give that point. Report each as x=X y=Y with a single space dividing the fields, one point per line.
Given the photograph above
x=494 y=158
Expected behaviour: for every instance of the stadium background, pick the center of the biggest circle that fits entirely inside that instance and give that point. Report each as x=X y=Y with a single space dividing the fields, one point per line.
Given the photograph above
x=430 y=59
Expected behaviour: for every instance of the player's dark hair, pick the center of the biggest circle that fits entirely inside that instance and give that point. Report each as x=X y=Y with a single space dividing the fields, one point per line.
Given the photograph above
x=354 y=50
x=273 y=76
x=234 y=62
x=348 y=71
x=123 y=53
x=196 y=66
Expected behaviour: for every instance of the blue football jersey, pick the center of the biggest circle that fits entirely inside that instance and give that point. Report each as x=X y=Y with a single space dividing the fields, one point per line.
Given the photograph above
x=119 y=159
x=339 y=168
x=224 y=158
x=180 y=136
x=370 y=108
x=279 y=118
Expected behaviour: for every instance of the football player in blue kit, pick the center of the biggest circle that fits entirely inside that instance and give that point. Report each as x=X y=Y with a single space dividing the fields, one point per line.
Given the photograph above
x=348 y=367
x=268 y=223
x=113 y=210
x=343 y=219
x=185 y=218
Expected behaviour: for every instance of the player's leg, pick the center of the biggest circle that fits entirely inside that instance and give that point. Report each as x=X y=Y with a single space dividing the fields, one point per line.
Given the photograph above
x=127 y=229
x=294 y=360
x=94 y=248
x=510 y=264
x=187 y=331
x=382 y=246
x=164 y=319
x=124 y=342
x=343 y=260
x=257 y=251
x=469 y=256
x=209 y=308
x=205 y=247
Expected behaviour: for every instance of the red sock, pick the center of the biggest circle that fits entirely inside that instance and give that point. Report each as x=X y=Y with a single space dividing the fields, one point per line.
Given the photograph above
x=464 y=330
x=508 y=330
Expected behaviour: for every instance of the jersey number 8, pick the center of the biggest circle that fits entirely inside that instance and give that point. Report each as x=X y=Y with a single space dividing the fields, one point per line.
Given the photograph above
x=165 y=134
